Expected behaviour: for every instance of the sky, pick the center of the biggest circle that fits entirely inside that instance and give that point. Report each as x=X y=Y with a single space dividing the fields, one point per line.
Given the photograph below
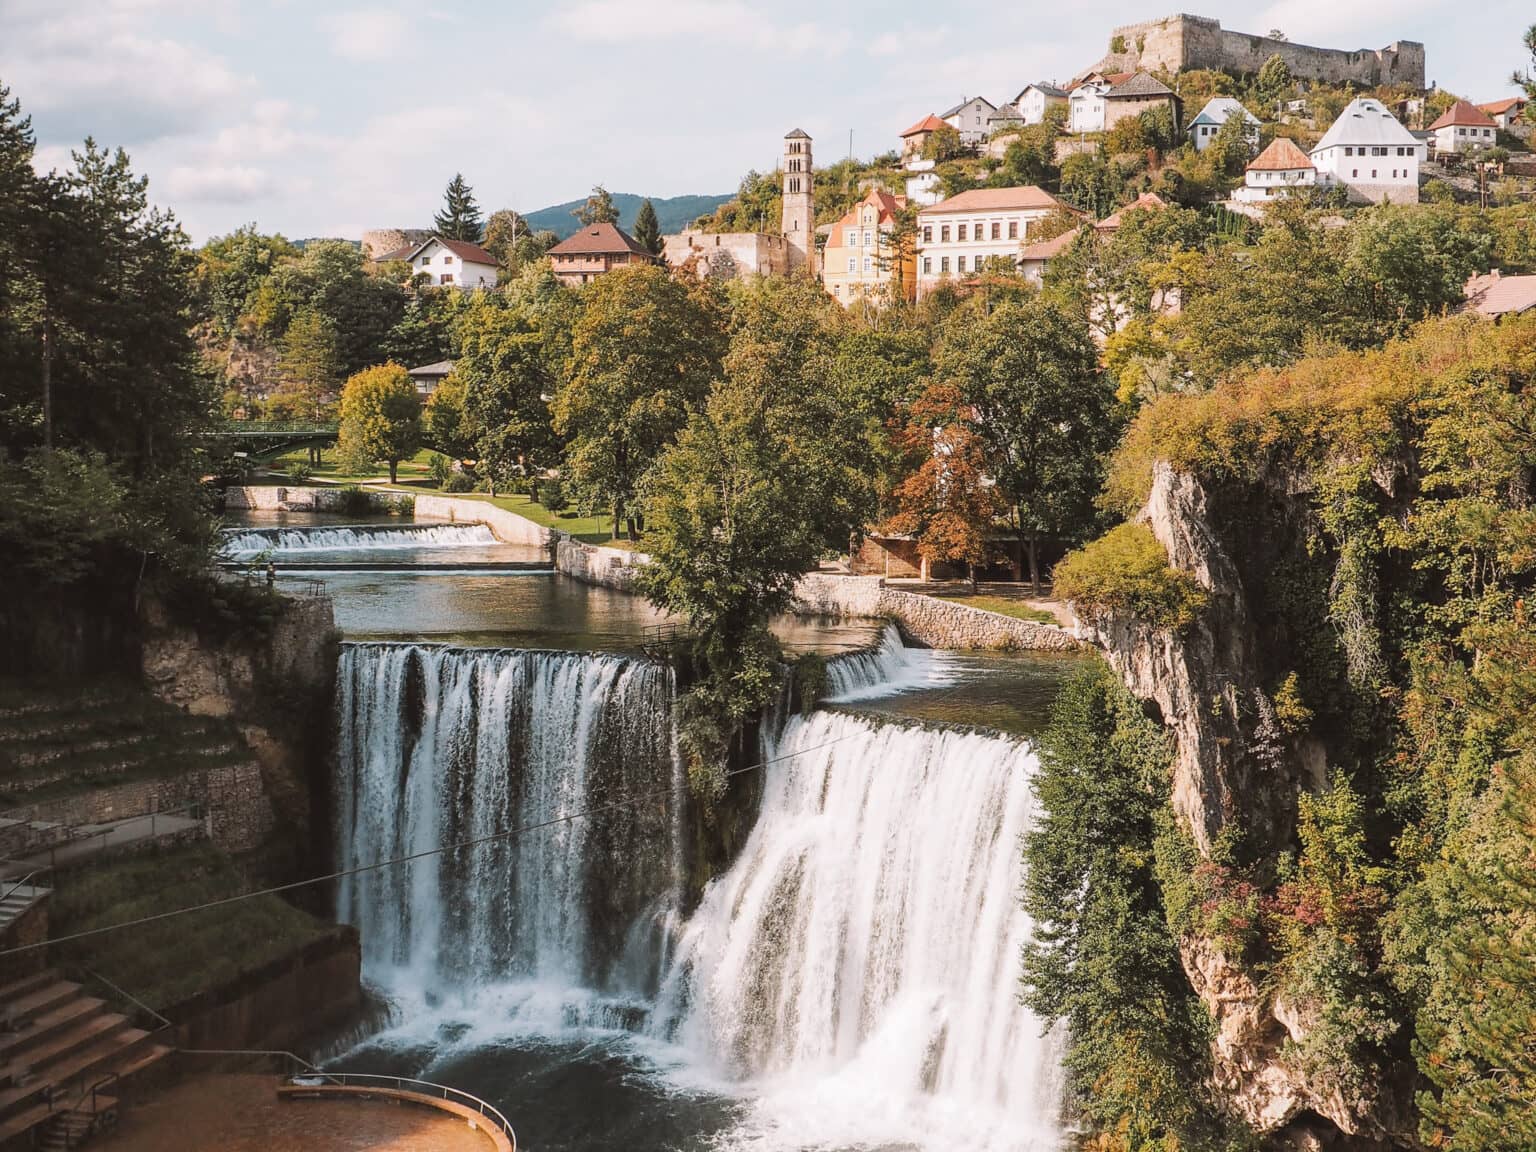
x=316 y=118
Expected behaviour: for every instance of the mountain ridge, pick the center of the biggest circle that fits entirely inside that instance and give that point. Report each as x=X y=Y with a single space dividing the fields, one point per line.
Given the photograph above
x=673 y=213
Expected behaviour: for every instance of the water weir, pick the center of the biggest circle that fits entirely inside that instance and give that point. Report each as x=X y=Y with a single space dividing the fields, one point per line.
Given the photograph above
x=248 y=542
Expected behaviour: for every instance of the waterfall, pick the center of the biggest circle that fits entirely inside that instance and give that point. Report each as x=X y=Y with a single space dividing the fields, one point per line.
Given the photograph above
x=246 y=542
x=442 y=745
x=890 y=667
x=860 y=961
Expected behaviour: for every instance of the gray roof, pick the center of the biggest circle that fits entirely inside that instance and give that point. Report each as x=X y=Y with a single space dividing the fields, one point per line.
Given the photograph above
x=441 y=368
x=963 y=103
x=797 y=134
x=1140 y=84
x=1365 y=121
x=1219 y=108
x=1006 y=112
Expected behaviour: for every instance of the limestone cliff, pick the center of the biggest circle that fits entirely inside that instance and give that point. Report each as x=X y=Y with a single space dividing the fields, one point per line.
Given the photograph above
x=1236 y=771
x=276 y=684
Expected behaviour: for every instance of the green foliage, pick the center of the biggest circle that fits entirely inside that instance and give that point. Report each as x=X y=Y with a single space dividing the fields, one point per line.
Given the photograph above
x=1274 y=80
x=1526 y=78
x=460 y=217
x=380 y=417
x=310 y=363
x=442 y=471
x=443 y=423
x=943 y=144
x=231 y=268
x=756 y=207
x=648 y=228
x=1103 y=959
x=598 y=208
x=553 y=496
x=1126 y=573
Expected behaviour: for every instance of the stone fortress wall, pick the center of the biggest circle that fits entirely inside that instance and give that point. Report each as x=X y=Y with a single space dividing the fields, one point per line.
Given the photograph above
x=377 y=241
x=1183 y=41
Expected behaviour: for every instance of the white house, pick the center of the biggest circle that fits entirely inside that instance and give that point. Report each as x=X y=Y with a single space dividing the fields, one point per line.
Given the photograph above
x=1086 y=104
x=453 y=263
x=969 y=118
x=1371 y=154
x=1037 y=99
x=956 y=237
x=923 y=185
x=1505 y=113
x=1464 y=128
x=1279 y=170
x=1217 y=111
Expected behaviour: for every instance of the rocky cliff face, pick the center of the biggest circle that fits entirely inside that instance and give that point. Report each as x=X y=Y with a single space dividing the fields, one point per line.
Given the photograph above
x=1235 y=771
x=278 y=688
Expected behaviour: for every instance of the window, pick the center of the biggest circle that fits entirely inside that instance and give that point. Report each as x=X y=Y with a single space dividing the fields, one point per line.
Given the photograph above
x=868 y=238
x=959 y=263
x=1373 y=173
x=997 y=230
x=850 y=238
x=837 y=289
x=944 y=234
x=853 y=263
x=425 y=260
x=943 y=264
x=927 y=265
x=1013 y=229
x=1349 y=151
x=868 y=263
x=1354 y=171
x=445 y=278
x=927 y=233
x=961 y=236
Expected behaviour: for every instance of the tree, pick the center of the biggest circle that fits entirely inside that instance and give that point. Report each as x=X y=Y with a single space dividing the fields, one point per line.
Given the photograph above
x=231 y=269
x=1043 y=412
x=648 y=229
x=1526 y=78
x=310 y=363
x=946 y=503
x=943 y=144
x=460 y=218
x=505 y=370
x=643 y=354
x=381 y=416
x=597 y=208
x=502 y=231
x=1274 y=79
x=443 y=424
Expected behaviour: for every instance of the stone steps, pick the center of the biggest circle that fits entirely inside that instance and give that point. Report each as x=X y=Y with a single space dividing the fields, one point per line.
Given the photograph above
x=14 y=1045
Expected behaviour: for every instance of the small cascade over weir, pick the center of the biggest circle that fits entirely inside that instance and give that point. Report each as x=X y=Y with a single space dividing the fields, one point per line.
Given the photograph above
x=247 y=542
x=442 y=745
x=888 y=668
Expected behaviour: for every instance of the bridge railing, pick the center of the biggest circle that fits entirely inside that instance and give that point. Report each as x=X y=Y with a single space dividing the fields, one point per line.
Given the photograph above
x=274 y=428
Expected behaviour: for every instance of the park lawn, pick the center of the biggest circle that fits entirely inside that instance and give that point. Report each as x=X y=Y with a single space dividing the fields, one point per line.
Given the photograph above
x=329 y=471
x=587 y=529
x=1004 y=606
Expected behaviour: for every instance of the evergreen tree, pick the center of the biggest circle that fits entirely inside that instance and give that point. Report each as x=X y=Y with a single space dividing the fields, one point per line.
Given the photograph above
x=460 y=218
x=598 y=208
x=310 y=364
x=1527 y=80
x=648 y=228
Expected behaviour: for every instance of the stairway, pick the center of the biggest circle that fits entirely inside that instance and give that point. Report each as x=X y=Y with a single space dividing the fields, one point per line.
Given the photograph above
x=56 y=1045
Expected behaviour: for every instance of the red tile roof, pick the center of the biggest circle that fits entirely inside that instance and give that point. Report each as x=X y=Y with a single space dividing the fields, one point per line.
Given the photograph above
x=1499 y=107
x=1282 y=155
x=1462 y=115
x=598 y=239
x=929 y=123
x=470 y=253
x=995 y=200
x=888 y=203
x=1147 y=200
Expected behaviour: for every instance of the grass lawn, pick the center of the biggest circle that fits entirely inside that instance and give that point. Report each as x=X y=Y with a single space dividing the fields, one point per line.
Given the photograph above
x=1004 y=606
x=164 y=963
x=418 y=467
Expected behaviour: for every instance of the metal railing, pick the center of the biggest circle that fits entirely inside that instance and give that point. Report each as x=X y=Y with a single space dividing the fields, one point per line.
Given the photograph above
x=74 y=838
x=22 y=883
x=273 y=428
x=420 y=1088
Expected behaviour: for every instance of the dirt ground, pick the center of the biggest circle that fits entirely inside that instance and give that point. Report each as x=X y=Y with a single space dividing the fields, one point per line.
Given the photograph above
x=243 y=1114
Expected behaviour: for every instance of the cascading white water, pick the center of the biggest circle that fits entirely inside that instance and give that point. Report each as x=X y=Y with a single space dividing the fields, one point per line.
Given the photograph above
x=443 y=745
x=888 y=668
x=860 y=961
x=245 y=542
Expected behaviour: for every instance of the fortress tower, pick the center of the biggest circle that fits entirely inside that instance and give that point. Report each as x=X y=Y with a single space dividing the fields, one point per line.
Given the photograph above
x=799 y=222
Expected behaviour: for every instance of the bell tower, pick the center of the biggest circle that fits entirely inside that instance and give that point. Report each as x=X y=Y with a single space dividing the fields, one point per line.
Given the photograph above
x=799 y=222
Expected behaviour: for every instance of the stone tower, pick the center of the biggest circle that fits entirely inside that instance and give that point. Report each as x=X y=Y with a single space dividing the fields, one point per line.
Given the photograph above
x=799 y=224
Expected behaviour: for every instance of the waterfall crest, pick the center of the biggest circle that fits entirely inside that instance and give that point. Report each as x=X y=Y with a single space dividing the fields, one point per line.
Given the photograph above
x=860 y=959
x=443 y=745
x=244 y=542
x=888 y=668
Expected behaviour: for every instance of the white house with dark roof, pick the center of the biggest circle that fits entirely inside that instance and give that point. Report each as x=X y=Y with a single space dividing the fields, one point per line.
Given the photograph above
x=1464 y=128
x=1086 y=105
x=1217 y=111
x=1038 y=99
x=450 y=263
x=969 y=118
x=1370 y=153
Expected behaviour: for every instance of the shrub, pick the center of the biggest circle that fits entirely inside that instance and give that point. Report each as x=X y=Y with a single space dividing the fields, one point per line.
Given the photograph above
x=442 y=471
x=356 y=502
x=552 y=495
x=1126 y=572
x=459 y=482
x=298 y=471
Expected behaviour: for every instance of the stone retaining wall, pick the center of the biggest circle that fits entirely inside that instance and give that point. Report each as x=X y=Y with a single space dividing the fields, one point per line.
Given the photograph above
x=605 y=567
x=926 y=620
x=508 y=527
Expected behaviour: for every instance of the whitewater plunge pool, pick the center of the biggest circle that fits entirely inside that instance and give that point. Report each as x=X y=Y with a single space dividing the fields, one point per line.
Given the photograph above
x=848 y=983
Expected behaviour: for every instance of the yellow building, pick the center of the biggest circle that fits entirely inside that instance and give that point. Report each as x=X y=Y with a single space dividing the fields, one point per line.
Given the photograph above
x=863 y=259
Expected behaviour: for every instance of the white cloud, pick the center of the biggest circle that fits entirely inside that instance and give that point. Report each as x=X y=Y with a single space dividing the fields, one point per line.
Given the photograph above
x=218 y=184
x=372 y=35
x=703 y=22
x=1318 y=22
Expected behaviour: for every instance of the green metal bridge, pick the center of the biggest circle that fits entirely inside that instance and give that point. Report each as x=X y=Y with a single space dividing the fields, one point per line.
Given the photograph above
x=265 y=437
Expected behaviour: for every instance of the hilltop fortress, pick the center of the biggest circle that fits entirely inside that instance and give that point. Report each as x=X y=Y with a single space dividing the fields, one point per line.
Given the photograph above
x=1178 y=42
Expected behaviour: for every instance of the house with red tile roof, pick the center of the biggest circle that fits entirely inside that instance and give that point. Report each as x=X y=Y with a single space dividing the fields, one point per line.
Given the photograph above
x=1463 y=127
x=1504 y=113
x=449 y=263
x=913 y=139
x=864 y=258
x=1279 y=170
x=595 y=250
x=958 y=236
x=1146 y=202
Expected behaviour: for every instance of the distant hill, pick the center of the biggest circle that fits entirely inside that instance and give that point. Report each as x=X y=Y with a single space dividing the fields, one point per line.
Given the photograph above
x=674 y=214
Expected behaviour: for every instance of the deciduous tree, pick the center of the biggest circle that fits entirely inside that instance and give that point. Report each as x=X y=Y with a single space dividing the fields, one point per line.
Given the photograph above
x=381 y=416
x=598 y=208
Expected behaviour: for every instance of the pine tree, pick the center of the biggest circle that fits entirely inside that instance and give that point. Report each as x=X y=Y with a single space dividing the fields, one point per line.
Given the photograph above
x=460 y=218
x=648 y=228
x=598 y=208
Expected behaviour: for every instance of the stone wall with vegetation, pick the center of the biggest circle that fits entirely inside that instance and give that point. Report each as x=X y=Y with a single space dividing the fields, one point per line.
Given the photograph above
x=508 y=527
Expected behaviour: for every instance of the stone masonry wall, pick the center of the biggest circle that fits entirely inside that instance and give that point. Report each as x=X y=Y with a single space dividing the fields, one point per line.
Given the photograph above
x=1179 y=42
x=508 y=527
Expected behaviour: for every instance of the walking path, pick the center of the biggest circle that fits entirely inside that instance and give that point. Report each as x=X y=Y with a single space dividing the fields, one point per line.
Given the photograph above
x=93 y=838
